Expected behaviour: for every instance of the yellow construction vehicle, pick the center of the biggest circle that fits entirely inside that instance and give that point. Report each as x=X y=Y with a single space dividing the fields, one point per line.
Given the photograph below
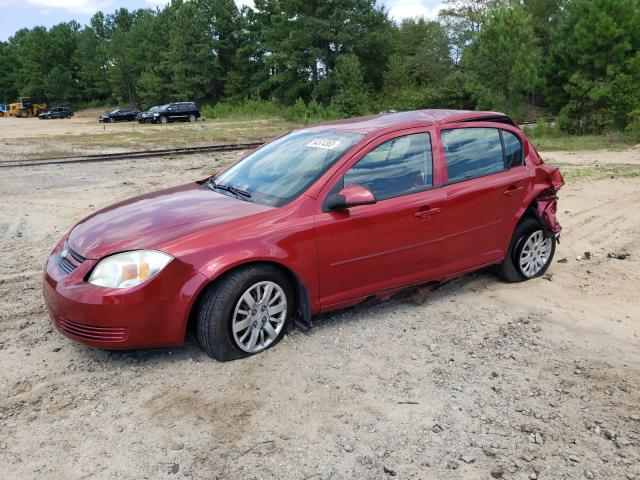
x=25 y=108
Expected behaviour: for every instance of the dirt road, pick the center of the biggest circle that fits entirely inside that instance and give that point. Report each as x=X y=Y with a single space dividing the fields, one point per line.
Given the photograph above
x=483 y=380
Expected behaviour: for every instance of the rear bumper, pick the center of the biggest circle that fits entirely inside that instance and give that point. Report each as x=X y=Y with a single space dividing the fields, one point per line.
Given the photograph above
x=153 y=314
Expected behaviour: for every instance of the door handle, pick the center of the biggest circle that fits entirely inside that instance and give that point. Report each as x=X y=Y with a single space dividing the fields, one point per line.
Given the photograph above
x=512 y=189
x=426 y=213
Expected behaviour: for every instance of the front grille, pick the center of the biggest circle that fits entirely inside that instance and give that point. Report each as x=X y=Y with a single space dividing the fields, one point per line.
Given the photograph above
x=65 y=265
x=68 y=260
x=90 y=332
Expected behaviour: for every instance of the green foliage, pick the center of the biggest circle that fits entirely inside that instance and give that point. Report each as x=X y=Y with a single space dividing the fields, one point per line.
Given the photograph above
x=353 y=95
x=592 y=68
x=300 y=112
x=314 y=61
x=633 y=128
x=503 y=61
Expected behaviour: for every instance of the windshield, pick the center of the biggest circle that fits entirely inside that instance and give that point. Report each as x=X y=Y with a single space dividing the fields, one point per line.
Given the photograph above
x=281 y=170
x=154 y=109
x=114 y=112
x=163 y=107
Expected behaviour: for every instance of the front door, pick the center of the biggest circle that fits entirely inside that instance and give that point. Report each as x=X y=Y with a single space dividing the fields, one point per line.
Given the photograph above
x=395 y=242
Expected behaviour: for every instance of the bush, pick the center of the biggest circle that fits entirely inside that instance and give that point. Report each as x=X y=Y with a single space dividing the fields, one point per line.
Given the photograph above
x=248 y=108
x=299 y=112
x=633 y=128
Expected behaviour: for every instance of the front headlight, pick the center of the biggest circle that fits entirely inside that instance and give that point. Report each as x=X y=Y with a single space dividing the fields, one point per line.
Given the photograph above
x=128 y=269
x=155 y=114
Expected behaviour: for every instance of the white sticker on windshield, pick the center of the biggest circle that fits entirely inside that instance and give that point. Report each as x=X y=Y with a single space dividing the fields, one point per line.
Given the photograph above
x=327 y=143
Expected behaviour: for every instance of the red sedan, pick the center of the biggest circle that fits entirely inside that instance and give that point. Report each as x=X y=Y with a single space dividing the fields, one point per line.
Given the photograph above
x=319 y=219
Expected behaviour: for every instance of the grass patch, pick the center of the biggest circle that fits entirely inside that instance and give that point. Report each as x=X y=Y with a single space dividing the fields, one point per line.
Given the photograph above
x=175 y=135
x=573 y=173
x=546 y=137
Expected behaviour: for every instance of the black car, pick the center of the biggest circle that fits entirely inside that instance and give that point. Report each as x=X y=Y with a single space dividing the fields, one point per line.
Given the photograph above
x=148 y=116
x=56 y=112
x=186 y=111
x=119 y=115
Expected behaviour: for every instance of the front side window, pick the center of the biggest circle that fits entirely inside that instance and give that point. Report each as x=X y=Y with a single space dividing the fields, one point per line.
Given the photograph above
x=280 y=171
x=472 y=152
x=397 y=167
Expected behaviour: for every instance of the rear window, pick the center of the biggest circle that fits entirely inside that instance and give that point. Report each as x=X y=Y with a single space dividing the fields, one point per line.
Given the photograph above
x=472 y=152
x=512 y=149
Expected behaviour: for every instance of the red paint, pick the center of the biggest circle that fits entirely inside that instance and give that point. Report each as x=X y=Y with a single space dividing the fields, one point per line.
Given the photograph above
x=342 y=256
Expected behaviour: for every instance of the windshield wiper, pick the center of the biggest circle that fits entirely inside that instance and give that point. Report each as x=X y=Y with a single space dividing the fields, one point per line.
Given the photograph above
x=231 y=189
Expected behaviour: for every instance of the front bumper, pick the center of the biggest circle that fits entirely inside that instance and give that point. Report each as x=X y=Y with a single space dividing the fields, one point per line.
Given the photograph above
x=153 y=314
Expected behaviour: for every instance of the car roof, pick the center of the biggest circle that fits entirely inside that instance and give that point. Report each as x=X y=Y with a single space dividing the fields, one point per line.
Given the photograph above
x=372 y=123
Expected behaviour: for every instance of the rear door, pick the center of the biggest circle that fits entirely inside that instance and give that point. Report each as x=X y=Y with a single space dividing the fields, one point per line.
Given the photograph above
x=485 y=184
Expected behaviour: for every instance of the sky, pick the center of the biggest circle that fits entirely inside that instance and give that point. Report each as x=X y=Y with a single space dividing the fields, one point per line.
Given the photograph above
x=17 y=14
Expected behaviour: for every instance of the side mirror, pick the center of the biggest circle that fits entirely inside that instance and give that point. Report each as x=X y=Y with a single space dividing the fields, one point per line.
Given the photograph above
x=350 y=196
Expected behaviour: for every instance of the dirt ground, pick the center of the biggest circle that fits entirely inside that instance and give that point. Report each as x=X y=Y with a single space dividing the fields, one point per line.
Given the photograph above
x=483 y=380
x=22 y=138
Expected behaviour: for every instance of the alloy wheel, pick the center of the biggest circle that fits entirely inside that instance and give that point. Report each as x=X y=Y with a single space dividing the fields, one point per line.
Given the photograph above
x=535 y=254
x=259 y=316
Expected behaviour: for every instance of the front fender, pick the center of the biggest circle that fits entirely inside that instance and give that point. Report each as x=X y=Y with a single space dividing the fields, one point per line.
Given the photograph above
x=300 y=263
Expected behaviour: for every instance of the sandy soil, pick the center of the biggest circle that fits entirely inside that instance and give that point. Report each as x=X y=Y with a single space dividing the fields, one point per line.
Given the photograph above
x=484 y=379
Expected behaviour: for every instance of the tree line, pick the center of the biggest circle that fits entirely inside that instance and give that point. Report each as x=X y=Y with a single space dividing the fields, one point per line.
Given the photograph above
x=578 y=60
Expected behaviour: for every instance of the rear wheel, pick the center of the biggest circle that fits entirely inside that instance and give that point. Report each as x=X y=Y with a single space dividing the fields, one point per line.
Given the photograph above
x=530 y=252
x=245 y=312
x=192 y=118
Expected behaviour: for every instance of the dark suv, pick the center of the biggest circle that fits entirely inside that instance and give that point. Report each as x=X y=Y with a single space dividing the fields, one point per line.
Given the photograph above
x=187 y=111
x=56 y=112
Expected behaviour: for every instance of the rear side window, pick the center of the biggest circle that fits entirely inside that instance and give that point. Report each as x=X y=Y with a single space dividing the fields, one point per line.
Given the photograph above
x=472 y=152
x=512 y=150
x=397 y=167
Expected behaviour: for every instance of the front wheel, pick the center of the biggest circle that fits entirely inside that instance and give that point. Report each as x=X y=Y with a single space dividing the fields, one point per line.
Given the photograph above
x=245 y=312
x=530 y=252
x=163 y=120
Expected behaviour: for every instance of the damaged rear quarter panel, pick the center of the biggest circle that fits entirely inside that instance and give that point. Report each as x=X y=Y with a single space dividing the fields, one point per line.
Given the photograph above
x=548 y=180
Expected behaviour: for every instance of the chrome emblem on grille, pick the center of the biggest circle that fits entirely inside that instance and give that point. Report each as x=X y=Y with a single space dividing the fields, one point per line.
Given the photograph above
x=64 y=253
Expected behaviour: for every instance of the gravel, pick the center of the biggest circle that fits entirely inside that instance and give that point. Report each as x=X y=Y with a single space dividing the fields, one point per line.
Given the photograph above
x=480 y=380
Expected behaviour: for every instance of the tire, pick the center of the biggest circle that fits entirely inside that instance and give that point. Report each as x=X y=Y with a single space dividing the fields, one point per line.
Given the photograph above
x=222 y=303
x=164 y=120
x=192 y=118
x=511 y=270
x=111 y=120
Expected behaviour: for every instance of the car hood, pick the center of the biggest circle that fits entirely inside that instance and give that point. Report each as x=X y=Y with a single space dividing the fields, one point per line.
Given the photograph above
x=149 y=221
